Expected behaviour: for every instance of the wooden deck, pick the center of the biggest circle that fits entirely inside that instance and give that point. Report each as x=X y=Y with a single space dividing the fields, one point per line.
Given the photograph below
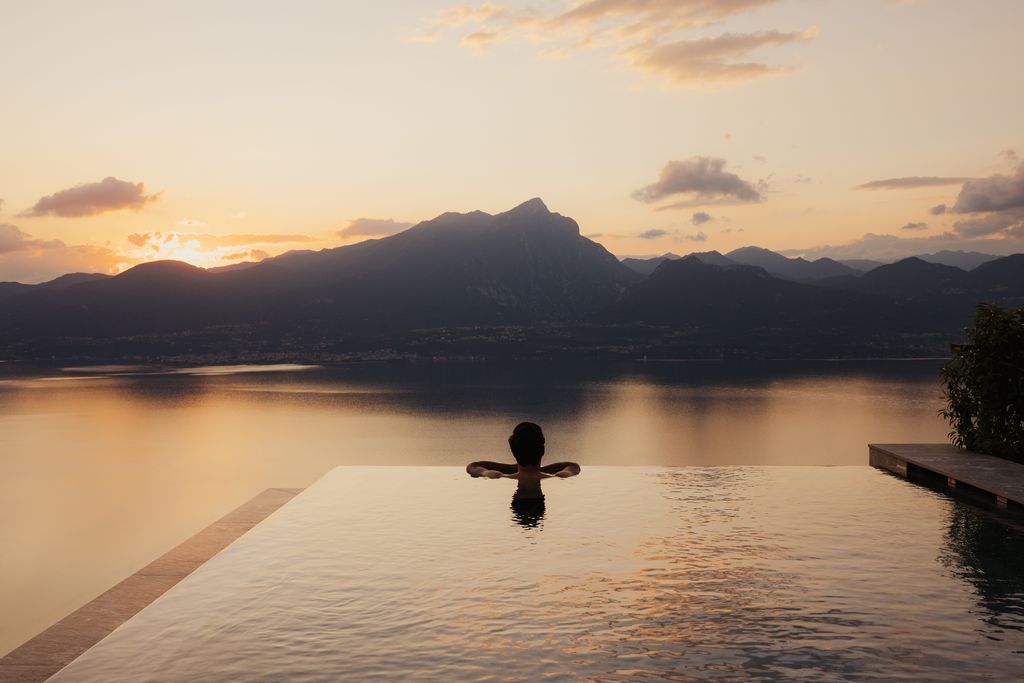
x=54 y=648
x=986 y=475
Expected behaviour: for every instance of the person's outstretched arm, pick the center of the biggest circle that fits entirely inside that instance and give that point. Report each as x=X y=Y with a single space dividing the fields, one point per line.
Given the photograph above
x=491 y=470
x=561 y=469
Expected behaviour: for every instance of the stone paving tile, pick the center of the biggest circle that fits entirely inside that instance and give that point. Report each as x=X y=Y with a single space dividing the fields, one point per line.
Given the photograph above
x=54 y=648
x=260 y=507
x=25 y=674
x=191 y=554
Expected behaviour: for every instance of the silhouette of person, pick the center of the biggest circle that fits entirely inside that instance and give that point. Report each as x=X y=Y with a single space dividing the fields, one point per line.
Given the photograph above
x=527 y=444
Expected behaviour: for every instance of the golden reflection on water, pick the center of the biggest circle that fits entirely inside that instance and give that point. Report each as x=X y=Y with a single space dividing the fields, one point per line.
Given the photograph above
x=101 y=473
x=753 y=573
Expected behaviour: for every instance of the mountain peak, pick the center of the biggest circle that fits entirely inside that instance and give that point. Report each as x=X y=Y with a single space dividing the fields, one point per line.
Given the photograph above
x=160 y=268
x=532 y=206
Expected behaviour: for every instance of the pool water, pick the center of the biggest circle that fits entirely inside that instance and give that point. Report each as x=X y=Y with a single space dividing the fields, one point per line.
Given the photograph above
x=697 y=573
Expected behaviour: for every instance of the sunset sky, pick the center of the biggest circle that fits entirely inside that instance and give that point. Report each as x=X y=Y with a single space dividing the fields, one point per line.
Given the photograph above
x=216 y=132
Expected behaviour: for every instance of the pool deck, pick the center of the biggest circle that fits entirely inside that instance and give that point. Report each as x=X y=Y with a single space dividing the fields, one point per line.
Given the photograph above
x=57 y=646
x=992 y=477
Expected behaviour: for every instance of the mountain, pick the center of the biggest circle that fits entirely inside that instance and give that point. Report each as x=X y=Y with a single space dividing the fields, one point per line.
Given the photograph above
x=965 y=260
x=9 y=289
x=933 y=292
x=907 y=279
x=1000 y=281
x=646 y=266
x=795 y=269
x=520 y=282
x=690 y=292
x=160 y=296
x=244 y=265
x=713 y=258
x=862 y=265
x=525 y=265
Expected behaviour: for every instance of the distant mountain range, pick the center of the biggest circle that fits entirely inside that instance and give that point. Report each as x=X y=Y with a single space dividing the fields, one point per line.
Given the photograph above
x=801 y=270
x=523 y=282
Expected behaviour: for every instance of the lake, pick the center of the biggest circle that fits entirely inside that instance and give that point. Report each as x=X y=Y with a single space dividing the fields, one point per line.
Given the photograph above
x=104 y=469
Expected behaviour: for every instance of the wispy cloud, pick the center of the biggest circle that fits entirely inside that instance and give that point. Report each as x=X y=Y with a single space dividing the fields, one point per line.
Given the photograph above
x=893 y=247
x=915 y=226
x=208 y=242
x=91 y=199
x=721 y=60
x=910 y=183
x=372 y=227
x=251 y=255
x=701 y=217
x=480 y=39
x=653 y=36
x=653 y=234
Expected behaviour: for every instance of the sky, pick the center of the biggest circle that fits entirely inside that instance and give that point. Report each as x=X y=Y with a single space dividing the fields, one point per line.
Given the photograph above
x=216 y=132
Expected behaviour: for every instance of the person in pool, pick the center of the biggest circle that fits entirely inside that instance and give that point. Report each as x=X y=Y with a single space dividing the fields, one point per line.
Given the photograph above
x=527 y=444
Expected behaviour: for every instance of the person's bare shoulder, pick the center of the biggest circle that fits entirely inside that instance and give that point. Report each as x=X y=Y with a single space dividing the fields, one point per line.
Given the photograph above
x=490 y=470
x=561 y=470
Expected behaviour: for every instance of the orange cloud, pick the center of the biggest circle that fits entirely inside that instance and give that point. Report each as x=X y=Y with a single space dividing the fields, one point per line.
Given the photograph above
x=28 y=260
x=645 y=31
x=722 y=60
x=373 y=227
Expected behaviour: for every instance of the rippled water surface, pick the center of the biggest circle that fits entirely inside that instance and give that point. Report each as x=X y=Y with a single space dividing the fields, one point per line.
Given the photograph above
x=103 y=469
x=755 y=573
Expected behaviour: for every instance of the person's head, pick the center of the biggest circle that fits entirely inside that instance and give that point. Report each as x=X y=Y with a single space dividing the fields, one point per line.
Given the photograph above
x=527 y=444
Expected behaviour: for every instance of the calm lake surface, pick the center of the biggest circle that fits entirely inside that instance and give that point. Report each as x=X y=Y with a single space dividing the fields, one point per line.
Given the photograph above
x=104 y=469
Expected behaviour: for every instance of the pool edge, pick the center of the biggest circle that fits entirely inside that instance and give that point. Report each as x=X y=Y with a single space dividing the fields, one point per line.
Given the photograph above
x=955 y=469
x=51 y=650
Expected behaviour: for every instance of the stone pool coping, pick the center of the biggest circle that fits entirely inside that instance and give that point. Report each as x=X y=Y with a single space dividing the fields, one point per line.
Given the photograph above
x=992 y=477
x=57 y=646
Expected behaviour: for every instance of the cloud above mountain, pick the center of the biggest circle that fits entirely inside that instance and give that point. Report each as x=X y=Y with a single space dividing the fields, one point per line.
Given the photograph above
x=652 y=36
x=910 y=183
x=91 y=199
x=653 y=234
x=699 y=181
x=994 y=206
x=372 y=227
x=208 y=242
x=893 y=247
x=251 y=255
x=720 y=60
x=29 y=260
x=995 y=193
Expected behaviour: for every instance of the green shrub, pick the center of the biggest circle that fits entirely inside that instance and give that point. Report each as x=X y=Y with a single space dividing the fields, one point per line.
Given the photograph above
x=984 y=385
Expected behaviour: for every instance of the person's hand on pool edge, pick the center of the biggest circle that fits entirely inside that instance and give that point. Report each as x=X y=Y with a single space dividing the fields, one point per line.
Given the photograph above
x=527 y=444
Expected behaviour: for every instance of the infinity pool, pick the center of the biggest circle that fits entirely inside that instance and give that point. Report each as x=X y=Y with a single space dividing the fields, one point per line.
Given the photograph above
x=704 y=573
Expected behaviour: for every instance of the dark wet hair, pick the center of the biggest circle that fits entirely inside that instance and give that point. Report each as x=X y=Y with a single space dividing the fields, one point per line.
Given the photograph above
x=527 y=443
